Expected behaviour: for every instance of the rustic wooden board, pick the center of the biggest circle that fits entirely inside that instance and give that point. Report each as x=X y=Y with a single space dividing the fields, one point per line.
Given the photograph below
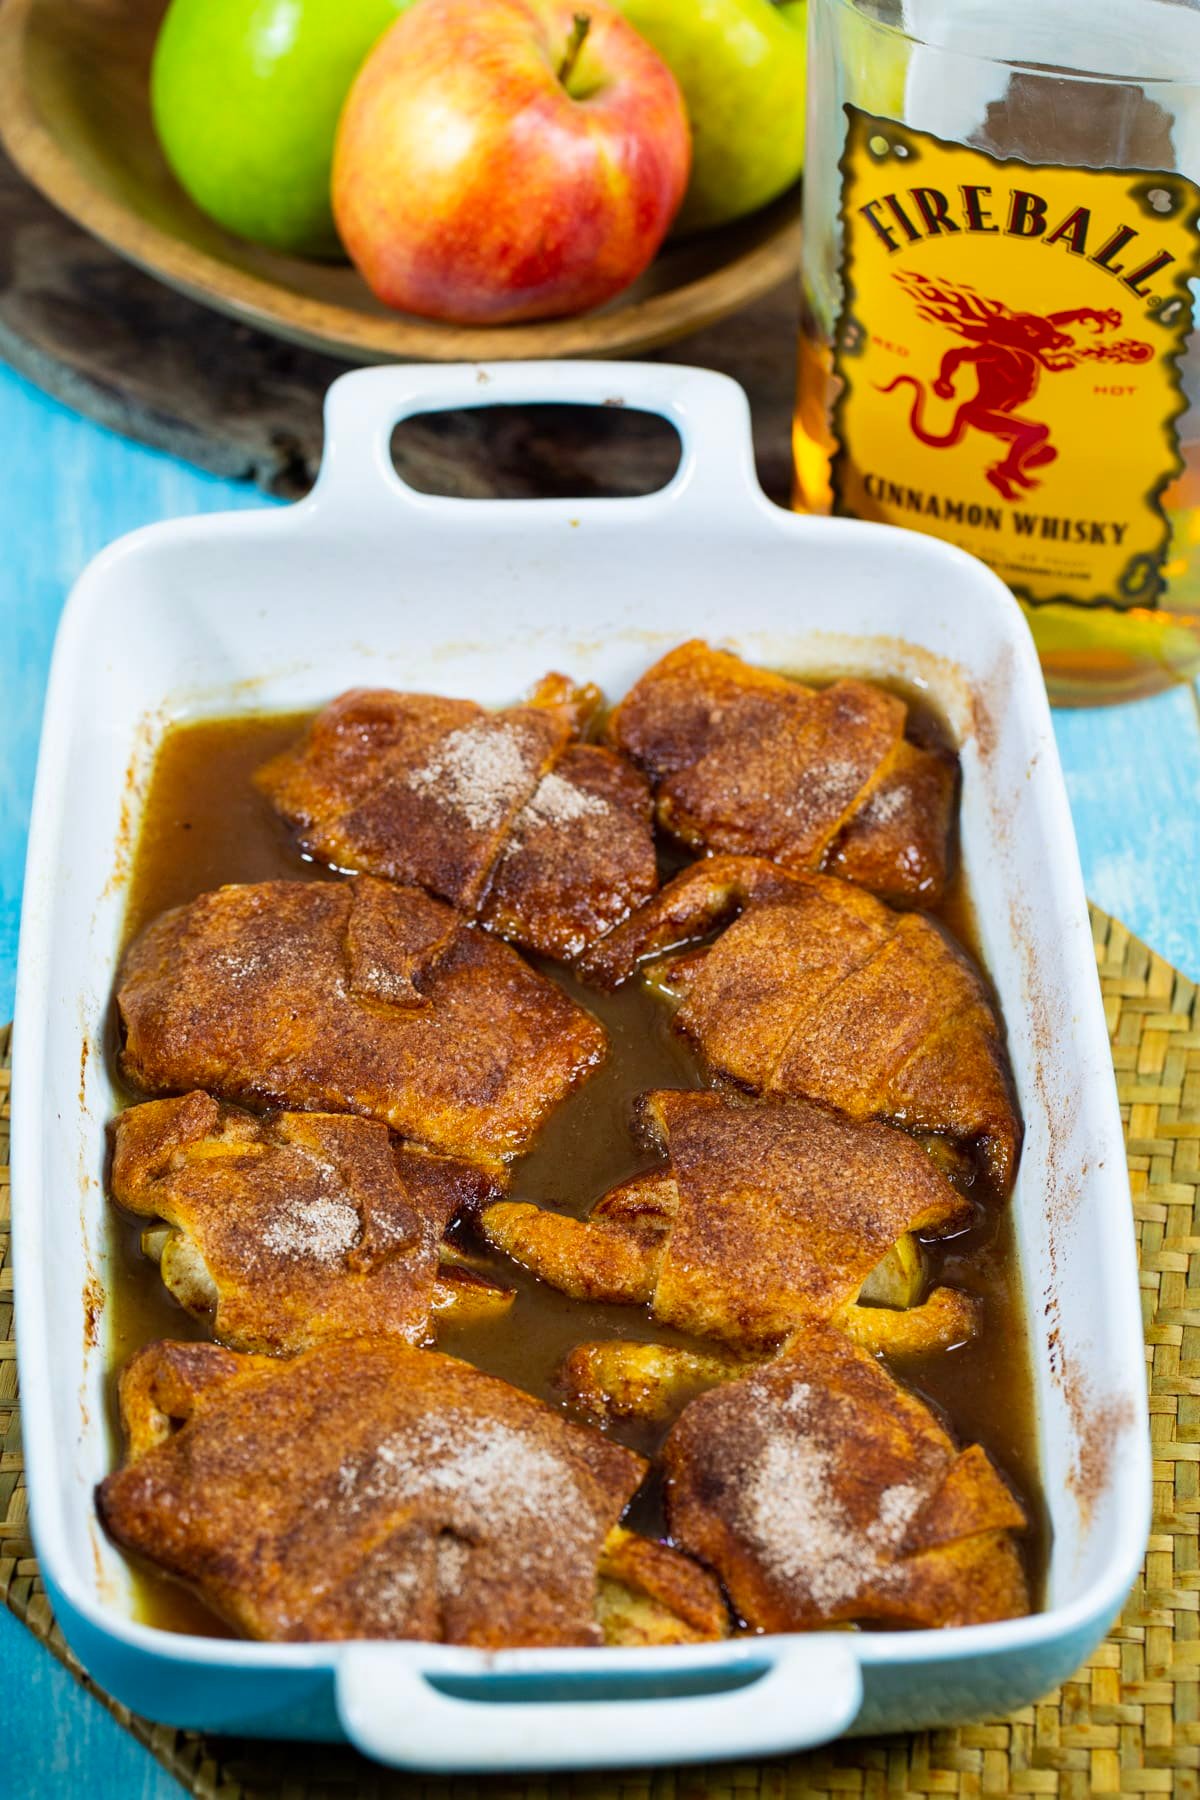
x=134 y=355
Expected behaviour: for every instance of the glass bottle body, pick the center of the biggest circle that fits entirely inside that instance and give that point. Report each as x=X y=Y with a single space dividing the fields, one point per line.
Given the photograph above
x=966 y=357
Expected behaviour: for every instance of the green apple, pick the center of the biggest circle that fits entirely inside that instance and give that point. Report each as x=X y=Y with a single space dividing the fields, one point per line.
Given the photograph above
x=740 y=64
x=246 y=96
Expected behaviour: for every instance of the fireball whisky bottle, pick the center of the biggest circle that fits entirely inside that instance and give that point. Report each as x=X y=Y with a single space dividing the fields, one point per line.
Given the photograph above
x=1001 y=256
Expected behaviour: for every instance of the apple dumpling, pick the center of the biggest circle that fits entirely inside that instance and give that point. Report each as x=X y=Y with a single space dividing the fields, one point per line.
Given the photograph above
x=823 y=1493
x=283 y=1231
x=618 y=1378
x=355 y=997
x=750 y=762
x=545 y=840
x=768 y=1216
x=369 y=1489
x=817 y=988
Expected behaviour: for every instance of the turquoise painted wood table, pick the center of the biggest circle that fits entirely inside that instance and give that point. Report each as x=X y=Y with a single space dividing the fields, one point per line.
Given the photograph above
x=68 y=488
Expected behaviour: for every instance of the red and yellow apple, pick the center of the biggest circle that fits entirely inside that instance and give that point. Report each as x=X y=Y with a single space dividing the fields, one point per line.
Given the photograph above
x=499 y=160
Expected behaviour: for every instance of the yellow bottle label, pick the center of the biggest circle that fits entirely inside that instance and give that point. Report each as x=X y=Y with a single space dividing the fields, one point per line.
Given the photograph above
x=1009 y=358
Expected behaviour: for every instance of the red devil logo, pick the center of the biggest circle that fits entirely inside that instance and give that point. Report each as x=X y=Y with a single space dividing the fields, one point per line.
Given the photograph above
x=1009 y=351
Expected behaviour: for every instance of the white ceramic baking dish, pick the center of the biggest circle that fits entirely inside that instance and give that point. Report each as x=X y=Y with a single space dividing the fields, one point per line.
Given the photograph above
x=367 y=581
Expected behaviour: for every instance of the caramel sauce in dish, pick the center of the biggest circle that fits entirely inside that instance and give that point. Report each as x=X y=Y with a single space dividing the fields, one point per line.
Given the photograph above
x=205 y=824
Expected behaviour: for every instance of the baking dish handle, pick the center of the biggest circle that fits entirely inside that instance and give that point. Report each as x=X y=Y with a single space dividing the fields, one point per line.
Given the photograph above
x=802 y=1692
x=709 y=411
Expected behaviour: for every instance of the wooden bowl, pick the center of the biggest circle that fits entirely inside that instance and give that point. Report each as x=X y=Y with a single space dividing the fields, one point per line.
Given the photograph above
x=75 y=119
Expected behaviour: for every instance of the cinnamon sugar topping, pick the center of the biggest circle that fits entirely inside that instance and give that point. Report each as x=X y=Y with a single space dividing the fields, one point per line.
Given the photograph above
x=319 y=1230
x=481 y=771
x=494 y=1476
x=559 y=802
x=799 y=1524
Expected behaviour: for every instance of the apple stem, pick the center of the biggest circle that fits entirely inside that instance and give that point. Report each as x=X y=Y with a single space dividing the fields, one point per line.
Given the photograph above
x=579 y=30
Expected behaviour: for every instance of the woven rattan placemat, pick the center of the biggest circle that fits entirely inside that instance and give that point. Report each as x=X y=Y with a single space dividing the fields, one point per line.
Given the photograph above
x=1129 y=1723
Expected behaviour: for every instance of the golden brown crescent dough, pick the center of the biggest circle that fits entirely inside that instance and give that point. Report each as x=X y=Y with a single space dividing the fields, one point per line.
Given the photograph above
x=746 y=761
x=649 y=1593
x=353 y=996
x=548 y=842
x=617 y=1378
x=822 y=1493
x=767 y=1217
x=369 y=1489
x=287 y=1230
x=819 y=989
